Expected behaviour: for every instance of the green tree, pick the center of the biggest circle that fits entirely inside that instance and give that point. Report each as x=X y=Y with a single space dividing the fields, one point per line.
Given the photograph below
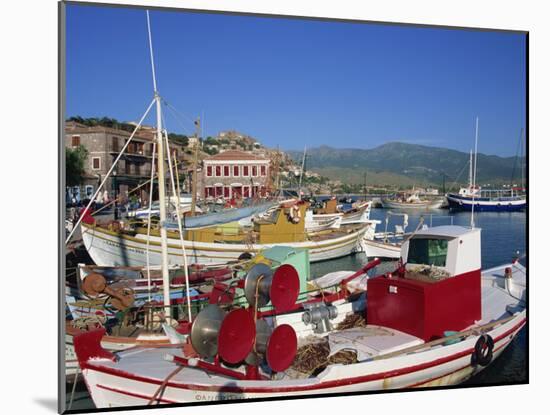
x=211 y=150
x=179 y=138
x=74 y=162
x=211 y=141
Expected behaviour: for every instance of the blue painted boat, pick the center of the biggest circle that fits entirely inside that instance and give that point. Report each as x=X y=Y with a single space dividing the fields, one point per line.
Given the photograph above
x=487 y=200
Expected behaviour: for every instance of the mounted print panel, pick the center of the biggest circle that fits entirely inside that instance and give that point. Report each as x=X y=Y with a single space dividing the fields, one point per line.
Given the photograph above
x=268 y=207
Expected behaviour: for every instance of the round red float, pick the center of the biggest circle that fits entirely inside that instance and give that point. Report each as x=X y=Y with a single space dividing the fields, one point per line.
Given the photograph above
x=237 y=334
x=285 y=287
x=281 y=348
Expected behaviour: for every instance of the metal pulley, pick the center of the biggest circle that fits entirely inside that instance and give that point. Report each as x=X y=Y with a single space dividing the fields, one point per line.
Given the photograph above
x=319 y=316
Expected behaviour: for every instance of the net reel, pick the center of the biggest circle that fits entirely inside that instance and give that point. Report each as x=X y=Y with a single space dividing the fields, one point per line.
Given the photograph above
x=276 y=347
x=235 y=338
x=240 y=336
x=205 y=330
x=262 y=285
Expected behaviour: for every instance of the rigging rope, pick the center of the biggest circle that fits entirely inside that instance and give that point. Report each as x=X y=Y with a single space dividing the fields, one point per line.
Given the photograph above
x=149 y=222
x=459 y=174
x=180 y=228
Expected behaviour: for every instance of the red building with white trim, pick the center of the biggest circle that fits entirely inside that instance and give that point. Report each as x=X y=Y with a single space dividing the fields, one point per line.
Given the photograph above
x=235 y=174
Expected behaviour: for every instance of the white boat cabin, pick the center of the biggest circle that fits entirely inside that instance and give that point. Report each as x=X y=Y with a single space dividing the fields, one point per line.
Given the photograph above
x=454 y=249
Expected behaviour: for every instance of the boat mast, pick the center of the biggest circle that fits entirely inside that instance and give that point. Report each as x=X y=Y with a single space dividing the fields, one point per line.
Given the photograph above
x=472 y=223
x=522 y=161
x=195 y=163
x=470 y=177
x=302 y=174
x=365 y=178
x=162 y=185
x=278 y=172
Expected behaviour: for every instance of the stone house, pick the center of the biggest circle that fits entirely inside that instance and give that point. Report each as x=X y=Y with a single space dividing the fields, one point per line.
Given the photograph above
x=103 y=145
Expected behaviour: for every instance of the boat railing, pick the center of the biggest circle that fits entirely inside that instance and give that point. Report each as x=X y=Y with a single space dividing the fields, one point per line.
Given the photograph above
x=151 y=315
x=431 y=218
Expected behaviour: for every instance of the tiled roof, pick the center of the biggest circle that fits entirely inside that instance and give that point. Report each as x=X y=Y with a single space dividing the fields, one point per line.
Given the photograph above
x=77 y=128
x=235 y=155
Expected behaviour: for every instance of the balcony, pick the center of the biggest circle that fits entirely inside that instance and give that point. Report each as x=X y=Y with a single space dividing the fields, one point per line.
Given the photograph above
x=138 y=152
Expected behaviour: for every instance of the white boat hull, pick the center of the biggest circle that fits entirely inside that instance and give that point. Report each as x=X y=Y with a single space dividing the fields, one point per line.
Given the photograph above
x=449 y=365
x=436 y=204
x=378 y=249
x=404 y=362
x=108 y=248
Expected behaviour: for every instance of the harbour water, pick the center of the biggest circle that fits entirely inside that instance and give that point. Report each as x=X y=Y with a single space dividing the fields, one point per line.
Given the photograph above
x=503 y=238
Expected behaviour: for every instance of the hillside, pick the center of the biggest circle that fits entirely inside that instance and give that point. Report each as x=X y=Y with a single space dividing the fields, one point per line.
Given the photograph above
x=405 y=163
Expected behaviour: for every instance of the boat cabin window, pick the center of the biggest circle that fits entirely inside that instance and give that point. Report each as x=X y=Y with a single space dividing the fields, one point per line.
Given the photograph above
x=427 y=251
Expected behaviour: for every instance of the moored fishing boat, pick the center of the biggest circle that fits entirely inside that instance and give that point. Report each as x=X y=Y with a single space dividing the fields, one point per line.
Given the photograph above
x=320 y=224
x=487 y=200
x=412 y=201
x=387 y=244
x=380 y=248
x=359 y=212
x=218 y=245
x=436 y=320
x=474 y=198
x=333 y=217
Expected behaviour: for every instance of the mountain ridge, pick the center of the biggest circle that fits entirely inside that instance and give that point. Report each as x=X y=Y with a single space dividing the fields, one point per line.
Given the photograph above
x=416 y=162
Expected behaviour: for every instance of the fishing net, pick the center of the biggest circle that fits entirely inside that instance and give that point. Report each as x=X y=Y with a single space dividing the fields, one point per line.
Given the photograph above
x=426 y=273
x=352 y=321
x=313 y=357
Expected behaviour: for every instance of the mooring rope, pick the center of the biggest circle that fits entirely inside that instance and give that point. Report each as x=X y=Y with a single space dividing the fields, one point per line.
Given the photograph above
x=160 y=391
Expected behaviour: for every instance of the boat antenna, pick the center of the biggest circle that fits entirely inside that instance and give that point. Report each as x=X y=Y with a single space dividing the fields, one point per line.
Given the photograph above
x=472 y=222
x=161 y=184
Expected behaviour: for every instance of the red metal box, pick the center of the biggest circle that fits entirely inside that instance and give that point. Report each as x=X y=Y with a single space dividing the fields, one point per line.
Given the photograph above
x=424 y=309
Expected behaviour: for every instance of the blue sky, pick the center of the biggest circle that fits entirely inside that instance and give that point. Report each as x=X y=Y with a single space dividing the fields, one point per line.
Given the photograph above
x=292 y=82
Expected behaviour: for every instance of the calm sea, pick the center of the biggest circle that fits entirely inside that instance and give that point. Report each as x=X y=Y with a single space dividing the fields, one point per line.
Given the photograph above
x=503 y=237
